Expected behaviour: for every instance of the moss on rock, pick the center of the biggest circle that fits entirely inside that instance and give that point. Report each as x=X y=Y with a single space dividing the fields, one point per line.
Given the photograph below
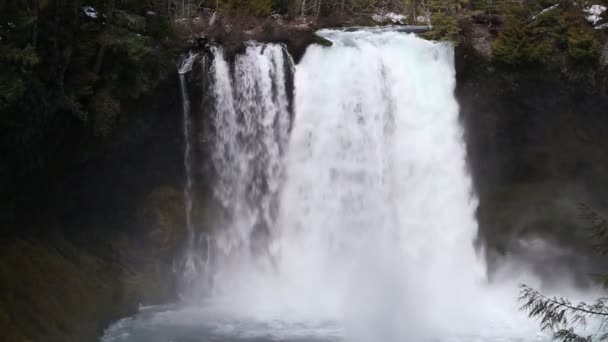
x=54 y=288
x=322 y=41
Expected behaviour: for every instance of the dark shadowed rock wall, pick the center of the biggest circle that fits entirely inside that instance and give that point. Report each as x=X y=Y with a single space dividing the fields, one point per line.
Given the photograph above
x=536 y=145
x=98 y=237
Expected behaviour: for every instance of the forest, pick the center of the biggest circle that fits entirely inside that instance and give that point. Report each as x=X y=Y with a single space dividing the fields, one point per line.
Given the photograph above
x=91 y=212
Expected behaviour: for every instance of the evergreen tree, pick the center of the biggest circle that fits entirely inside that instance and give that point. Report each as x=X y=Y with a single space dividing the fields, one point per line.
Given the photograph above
x=560 y=315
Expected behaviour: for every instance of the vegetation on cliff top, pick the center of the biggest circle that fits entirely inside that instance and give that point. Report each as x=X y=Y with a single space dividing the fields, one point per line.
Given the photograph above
x=554 y=34
x=68 y=67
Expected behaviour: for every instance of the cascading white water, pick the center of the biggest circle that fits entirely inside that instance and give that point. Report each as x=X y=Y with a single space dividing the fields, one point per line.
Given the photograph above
x=251 y=120
x=377 y=192
x=356 y=225
x=376 y=215
x=184 y=66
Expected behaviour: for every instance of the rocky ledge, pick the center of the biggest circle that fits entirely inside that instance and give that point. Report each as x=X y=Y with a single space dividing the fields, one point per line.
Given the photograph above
x=296 y=34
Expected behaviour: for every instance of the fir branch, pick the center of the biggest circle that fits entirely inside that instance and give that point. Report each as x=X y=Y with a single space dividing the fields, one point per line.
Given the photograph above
x=560 y=315
x=598 y=228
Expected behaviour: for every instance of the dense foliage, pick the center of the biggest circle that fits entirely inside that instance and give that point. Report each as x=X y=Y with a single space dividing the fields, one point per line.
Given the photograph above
x=550 y=33
x=68 y=66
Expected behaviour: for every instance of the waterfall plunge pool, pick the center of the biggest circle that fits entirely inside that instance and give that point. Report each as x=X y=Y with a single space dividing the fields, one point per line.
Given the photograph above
x=210 y=324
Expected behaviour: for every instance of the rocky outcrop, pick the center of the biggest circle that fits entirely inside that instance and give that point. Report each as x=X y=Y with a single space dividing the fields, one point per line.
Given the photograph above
x=535 y=143
x=232 y=34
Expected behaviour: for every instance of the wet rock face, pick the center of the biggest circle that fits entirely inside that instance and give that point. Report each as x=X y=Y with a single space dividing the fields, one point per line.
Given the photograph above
x=535 y=145
x=60 y=288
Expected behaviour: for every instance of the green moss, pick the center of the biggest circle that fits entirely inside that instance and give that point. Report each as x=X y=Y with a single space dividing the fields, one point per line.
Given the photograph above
x=53 y=289
x=44 y=296
x=322 y=41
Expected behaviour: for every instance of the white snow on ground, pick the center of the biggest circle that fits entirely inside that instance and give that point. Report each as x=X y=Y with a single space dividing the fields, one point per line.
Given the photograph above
x=422 y=19
x=594 y=13
x=390 y=16
x=89 y=12
x=545 y=11
x=394 y=17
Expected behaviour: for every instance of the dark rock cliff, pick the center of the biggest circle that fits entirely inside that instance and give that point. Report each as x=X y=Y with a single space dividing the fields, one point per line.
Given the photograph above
x=98 y=238
x=536 y=145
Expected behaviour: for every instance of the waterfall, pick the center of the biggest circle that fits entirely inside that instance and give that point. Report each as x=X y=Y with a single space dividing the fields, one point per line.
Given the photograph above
x=251 y=123
x=376 y=174
x=184 y=66
x=250 y=117
x=350 y=219
x=375 y=190
x=377 y=222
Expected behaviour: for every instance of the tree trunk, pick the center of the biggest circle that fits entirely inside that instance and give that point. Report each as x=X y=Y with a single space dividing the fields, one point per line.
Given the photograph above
x=35 y=26
x=318 y=8
x=99 y=59
x=54 y=59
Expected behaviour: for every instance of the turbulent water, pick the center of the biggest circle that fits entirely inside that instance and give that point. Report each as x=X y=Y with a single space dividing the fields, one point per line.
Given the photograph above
x=351 y=220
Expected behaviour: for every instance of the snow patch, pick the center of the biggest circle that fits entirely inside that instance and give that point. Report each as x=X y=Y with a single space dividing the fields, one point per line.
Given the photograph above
x=545 y=11
x=396 y=18
x=390 y=16
x=594 y=13
x=422 y=19
x=89 y=11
